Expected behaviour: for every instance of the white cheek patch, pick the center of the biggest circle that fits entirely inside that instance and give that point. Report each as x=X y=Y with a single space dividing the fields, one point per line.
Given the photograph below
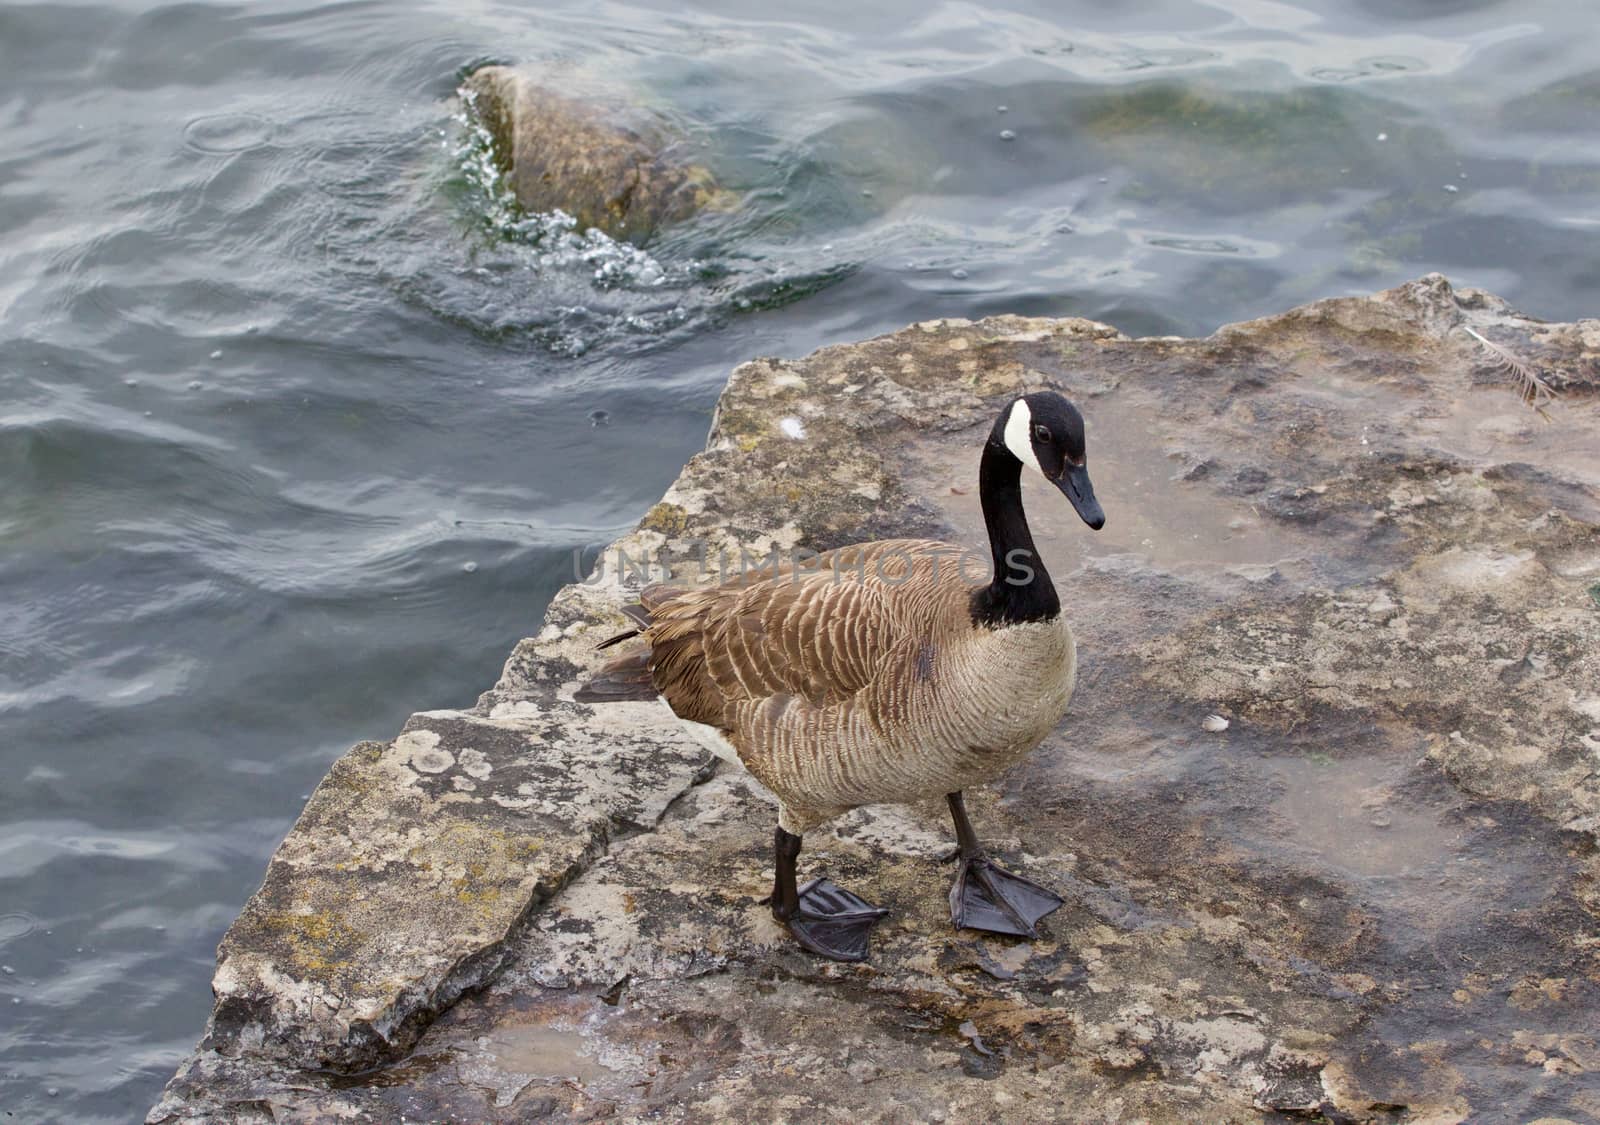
x=1019 y=435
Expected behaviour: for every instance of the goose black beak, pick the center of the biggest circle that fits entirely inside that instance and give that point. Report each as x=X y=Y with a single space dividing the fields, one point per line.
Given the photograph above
x=1074 y=484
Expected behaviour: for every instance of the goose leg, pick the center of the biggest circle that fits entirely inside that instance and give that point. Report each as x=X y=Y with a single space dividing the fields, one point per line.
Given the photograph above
x=824 y=918
x=985 y=896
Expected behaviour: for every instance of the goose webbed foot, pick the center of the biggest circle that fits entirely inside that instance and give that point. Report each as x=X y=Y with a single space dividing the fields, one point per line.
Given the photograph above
x=824 y=918
x=832 y=922
x=985 y=896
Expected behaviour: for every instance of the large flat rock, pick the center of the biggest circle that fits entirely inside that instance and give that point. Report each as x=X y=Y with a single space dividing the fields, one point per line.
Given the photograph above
x=1371 y=897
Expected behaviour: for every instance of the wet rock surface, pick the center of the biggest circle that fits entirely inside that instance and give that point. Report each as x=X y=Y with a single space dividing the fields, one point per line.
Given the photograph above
x=610 y=164
x=1369 y=896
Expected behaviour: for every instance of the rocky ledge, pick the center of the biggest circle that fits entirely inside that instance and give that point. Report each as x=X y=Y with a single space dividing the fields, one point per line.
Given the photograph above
x=1324 y=811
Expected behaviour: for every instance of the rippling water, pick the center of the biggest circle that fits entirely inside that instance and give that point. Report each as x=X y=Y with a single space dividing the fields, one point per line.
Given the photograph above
x=298 y=425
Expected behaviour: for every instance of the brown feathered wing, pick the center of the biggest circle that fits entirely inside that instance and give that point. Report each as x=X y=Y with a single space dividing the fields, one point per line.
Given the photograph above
x=821 y=632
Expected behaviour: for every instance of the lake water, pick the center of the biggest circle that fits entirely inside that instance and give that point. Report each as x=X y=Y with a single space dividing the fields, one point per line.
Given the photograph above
x=298 y=427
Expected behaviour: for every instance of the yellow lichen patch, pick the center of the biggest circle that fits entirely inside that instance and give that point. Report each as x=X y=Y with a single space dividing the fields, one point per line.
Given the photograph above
x=478 y=895
x=315 y=940
x=1531 y=993
x=669 y=519
x=522 y=850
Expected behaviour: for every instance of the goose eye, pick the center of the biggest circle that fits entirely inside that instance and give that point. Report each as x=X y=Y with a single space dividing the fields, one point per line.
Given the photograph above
x=1041 y=433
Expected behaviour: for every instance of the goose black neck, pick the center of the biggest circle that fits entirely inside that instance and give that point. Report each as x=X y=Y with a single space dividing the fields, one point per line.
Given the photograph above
x=1021 y=589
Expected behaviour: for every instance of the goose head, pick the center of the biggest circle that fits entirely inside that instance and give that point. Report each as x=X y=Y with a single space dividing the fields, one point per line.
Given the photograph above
x=1045 y=432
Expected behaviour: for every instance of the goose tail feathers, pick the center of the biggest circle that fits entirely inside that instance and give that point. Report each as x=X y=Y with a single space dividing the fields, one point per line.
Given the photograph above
x=618 y=639
x=651 y=598
x=624 y=680
x=628 y=678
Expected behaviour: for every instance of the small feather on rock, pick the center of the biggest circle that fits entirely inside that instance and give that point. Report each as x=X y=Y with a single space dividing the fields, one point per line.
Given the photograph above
x=1216 y=724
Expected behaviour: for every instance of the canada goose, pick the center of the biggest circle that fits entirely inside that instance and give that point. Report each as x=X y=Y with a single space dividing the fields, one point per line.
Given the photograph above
x=880 y=672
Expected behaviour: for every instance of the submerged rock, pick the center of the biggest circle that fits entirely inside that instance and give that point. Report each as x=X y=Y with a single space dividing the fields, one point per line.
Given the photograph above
x=1368 y=896
x=616 y=169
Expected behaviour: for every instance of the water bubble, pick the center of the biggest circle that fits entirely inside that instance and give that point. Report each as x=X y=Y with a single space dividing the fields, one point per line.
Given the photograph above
x=7 y=970
x=469 y=567
x=1451 y=187
x=1383 y=136
x=227 y=133
x=743 y=302
x=959 y=274
x=195 y=385
x=1105 y=179
x=598 y=418
x=130 y=382
x=1001 y=108
x=217 y=354
x=1007 y=135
